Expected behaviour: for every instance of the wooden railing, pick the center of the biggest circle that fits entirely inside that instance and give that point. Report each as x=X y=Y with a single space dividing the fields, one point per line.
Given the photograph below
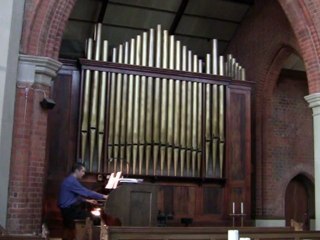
x=21 y=237
x=203 y=233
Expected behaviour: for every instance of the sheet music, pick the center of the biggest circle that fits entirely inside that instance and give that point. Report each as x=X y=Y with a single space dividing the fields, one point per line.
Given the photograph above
x=113 y=180
x=110 y=182
x=116 y=180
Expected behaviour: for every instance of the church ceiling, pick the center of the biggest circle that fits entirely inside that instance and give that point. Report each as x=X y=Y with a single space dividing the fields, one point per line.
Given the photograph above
x=193 y=22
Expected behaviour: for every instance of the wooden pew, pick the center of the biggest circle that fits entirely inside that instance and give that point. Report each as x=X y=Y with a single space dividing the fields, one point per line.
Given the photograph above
x=20 y=237
x=202 y=233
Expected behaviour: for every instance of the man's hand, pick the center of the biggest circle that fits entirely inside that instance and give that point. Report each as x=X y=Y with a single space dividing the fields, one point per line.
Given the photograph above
x=92 y=201
x=105 y=197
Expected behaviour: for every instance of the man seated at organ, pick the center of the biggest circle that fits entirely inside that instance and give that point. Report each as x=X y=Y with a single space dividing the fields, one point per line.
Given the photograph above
x=73 y=194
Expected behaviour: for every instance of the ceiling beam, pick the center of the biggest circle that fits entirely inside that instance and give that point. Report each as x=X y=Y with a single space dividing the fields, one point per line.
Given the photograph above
x=103 y=10
x=178 y=16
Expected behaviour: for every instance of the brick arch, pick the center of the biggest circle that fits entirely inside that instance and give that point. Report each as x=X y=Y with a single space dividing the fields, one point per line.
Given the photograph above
x=298 y=173
x=304 y=19
x=298 y=170
x=269 y=84
x=274 y=70
x=303 y=185
x=44 y=24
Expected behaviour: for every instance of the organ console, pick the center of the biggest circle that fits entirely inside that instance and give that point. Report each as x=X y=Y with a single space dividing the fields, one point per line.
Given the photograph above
x=133 y=204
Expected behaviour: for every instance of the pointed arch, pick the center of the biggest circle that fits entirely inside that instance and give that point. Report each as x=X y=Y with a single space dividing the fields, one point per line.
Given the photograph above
x=44 y=24
x=299 y=200
x=269 y=85
x=304 y=19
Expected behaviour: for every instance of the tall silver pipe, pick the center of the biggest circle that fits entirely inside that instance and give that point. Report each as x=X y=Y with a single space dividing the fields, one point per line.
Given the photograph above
x=184 y=104
x=85 y=111
x=221 y=66
x=130 y=107
x=149 y=104
x=136 y=107
x=103 y=85
x=214 y=56
x=156 y=105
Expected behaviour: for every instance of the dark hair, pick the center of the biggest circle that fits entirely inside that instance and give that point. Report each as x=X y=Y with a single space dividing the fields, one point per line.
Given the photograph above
x=77 y=165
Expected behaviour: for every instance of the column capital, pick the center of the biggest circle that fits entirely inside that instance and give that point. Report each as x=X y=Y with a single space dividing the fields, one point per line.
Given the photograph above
x=314 y=102
x=37 y=69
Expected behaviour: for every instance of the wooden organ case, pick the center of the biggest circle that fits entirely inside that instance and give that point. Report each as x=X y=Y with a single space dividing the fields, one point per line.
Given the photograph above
x=157 y=111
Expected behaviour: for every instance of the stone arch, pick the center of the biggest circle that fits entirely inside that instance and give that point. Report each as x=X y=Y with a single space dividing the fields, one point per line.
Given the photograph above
x=304 y=19
x=44 y=24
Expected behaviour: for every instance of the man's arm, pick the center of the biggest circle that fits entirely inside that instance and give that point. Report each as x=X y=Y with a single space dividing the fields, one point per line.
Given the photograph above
x=76 y=187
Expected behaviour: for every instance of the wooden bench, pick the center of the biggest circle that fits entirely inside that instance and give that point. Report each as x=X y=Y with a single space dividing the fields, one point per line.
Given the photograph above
x=202 y=233
x=21 y=237
x=5 y=236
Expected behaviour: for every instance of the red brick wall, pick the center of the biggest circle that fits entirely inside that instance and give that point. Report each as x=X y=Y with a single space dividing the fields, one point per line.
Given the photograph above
x=44 y=24
x=262 y=44
x=28 y=165
x=288 y=145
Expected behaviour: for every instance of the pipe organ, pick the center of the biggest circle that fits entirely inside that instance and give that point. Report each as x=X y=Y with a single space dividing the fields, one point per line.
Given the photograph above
x=148 y=124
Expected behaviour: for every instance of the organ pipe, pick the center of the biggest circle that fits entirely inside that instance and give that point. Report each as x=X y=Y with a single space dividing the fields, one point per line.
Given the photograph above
x=155 y=125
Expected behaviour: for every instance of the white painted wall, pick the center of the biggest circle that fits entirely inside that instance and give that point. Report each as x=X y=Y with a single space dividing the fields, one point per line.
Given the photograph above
x=314 y=103
x=11 y=18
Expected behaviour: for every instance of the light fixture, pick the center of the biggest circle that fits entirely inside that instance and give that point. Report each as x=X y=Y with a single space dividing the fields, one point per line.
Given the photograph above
x=47 y=103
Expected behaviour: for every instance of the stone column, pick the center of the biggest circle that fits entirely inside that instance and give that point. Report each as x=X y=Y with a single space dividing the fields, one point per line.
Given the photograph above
x=11 y=19
x=314 y=103
x=28 y=167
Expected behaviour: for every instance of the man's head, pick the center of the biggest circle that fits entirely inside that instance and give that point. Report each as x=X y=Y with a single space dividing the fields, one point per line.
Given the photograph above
x=78 y=170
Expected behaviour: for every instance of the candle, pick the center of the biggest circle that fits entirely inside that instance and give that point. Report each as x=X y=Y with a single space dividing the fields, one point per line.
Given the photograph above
x=241 y=207
x=233 y=208
x=233 y=234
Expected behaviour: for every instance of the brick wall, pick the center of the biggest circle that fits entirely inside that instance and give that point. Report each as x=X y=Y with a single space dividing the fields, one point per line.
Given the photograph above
x=28 y=165
x=44 y=23
x=288 y=145
x=262 y=44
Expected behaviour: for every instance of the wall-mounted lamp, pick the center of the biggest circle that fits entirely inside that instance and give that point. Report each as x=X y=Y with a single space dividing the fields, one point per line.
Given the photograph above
x=47 y=103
